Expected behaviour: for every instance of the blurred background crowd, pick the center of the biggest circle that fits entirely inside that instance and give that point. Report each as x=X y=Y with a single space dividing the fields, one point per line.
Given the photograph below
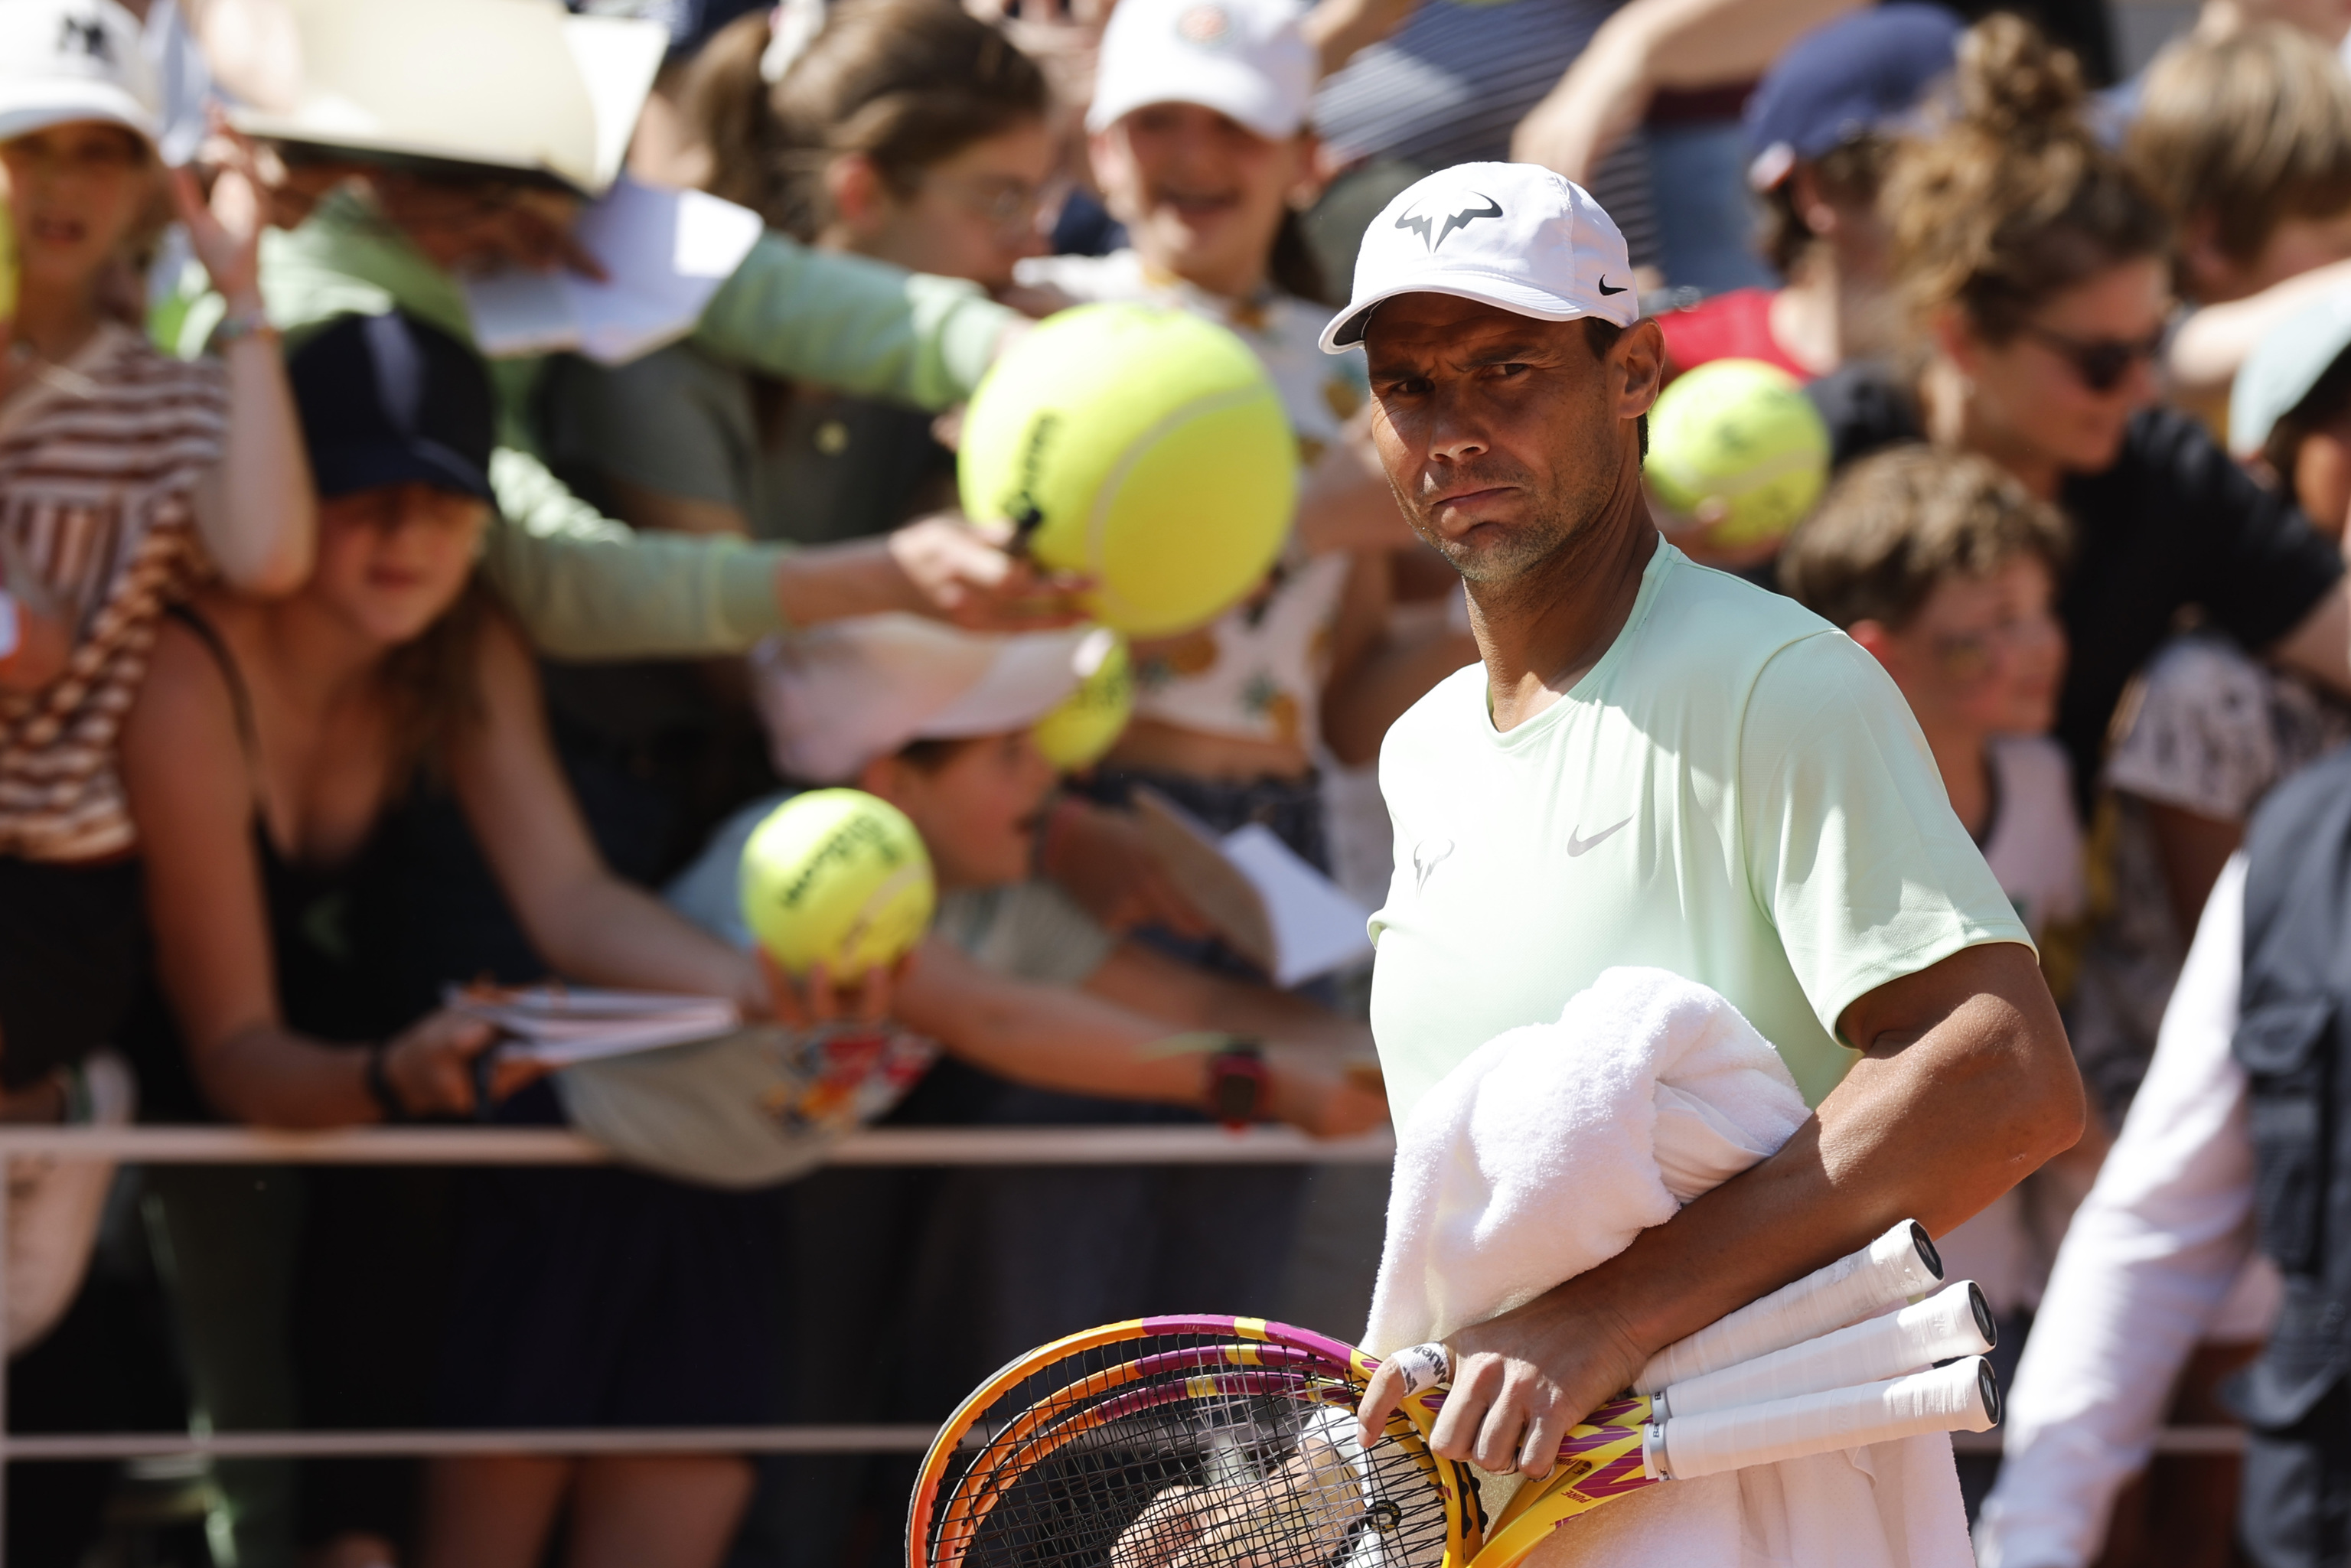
x=381 y=616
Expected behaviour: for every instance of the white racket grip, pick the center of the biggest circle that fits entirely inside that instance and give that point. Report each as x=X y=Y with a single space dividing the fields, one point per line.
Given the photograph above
x=1897 y=1265
x=1954 y=1322
x=1961 y=1397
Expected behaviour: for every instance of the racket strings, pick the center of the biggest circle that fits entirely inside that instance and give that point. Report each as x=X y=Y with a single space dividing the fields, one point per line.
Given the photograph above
x=1184 y=1451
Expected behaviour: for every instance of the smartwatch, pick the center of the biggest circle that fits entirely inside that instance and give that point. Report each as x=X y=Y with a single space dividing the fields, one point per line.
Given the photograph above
x=1237 y=1083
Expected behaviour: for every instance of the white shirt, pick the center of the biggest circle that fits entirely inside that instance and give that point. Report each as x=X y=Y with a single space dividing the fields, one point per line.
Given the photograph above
x=2149 y=1262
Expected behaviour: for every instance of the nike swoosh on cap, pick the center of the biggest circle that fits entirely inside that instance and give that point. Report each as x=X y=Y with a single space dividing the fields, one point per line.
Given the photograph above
x=1576 y=846
x=1607 y=288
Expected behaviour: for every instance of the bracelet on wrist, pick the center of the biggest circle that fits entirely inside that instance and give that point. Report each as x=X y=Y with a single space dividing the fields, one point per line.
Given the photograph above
x=244 y=321
x=380 y=1087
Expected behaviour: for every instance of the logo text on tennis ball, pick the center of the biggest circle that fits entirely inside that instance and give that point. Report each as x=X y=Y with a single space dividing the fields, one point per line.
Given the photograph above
x=1027 y=515
x=838 y=877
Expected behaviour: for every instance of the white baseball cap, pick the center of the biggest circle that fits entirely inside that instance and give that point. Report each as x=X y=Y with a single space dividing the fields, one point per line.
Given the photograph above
x=1247 y=59
x=838 y=695
x=67 y=60
x=1514 y=235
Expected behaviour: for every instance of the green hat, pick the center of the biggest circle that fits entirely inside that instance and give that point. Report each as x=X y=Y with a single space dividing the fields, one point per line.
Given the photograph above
x=2284 y=368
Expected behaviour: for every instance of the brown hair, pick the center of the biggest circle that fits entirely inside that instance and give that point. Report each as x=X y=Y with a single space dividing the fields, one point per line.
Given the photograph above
x=2014 y=199
x=2246 y=131
x=1849 y=173
x=431 y=684
x=1900 y=521
x=906 y=83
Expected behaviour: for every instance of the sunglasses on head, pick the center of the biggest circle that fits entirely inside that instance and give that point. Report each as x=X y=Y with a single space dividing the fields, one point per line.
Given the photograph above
x=2100 y=362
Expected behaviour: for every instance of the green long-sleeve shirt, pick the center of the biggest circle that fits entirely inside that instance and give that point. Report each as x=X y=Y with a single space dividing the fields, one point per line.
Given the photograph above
x=584 y=586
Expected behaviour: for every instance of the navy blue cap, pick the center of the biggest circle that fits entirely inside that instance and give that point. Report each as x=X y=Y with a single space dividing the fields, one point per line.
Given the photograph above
x=386 y=400
x=1857 y=74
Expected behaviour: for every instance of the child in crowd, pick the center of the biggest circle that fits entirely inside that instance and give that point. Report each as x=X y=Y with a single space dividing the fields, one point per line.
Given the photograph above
x=126 y=478
x=904 y=131
x=2248 y=137
x=957 y=1275
x=1821 y=129
x=1945 y=570
x=1201 y=145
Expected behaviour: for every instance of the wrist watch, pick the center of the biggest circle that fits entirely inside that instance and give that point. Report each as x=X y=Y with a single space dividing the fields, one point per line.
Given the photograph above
x=1237 y=1083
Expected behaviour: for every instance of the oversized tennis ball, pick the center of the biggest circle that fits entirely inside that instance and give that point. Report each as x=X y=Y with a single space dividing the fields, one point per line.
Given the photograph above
x=837 y=876
x=1737 y=446
x=1143 y=446
x=1088 y=721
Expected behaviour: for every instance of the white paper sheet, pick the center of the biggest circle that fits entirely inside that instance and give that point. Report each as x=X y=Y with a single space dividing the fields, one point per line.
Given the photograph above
x=666 y=253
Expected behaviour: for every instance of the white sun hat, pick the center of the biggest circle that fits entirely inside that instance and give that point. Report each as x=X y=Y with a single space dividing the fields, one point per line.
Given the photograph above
x=1514 y=235
x=1247 y=59
x=838 y=695
x=67 y=60
x=513 y=85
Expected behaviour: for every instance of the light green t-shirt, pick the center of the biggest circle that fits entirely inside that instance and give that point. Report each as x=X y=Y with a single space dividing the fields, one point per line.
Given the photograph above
x=1735 y=793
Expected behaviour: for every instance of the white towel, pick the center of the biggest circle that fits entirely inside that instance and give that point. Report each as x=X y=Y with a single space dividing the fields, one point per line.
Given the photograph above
x=1546 y=1153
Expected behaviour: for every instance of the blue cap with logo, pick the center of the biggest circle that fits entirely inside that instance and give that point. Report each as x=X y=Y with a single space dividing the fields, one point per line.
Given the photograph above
x=1860 y=73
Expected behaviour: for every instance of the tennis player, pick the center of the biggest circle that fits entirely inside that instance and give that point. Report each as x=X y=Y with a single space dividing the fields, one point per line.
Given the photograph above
x=1658 y=764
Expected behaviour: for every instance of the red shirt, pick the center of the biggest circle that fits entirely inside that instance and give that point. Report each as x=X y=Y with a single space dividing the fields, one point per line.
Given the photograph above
x=1733 y=325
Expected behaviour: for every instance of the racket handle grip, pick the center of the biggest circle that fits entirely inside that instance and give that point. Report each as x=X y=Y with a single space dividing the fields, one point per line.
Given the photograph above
x=1954 y=1322
x=1900 y=1264
x=1961 y=1397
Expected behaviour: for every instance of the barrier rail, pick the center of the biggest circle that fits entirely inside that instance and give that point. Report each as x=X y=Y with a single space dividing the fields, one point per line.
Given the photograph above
x=964 y=1147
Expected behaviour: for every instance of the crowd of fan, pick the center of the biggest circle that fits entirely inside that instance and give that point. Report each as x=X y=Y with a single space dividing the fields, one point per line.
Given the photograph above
x=344 y=662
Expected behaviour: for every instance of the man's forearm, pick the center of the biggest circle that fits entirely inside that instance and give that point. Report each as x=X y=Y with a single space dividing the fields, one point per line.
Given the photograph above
x=1966 y=1085
x=1930 y=1125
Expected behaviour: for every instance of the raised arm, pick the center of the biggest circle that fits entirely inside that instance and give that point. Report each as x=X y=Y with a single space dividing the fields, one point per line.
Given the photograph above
x=585 y=587
x=1649 y=44
x=1965 y=1085
x=253 y=507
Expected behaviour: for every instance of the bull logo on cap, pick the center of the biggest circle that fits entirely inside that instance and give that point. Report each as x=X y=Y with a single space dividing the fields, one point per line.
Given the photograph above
x=1431 y=235
x=85 y=35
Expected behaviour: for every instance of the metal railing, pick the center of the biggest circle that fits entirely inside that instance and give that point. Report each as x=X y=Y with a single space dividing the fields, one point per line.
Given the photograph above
x=971 y=1146
x=965 y=1146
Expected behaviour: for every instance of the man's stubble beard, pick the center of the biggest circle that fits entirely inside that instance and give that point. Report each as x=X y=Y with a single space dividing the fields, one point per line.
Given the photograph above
x=1524 y=547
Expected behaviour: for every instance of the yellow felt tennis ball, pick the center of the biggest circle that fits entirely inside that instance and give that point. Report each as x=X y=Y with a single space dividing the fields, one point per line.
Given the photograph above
x=1737 y=446
x=1089 y=720
x=840 y=877
x=1141 y=446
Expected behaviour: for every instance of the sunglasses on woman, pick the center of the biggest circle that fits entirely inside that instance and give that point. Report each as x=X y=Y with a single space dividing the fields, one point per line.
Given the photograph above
x=2100 y=362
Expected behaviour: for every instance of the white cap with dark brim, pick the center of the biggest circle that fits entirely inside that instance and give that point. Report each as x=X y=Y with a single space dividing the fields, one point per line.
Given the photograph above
x=1514 y=235
x=63 y=61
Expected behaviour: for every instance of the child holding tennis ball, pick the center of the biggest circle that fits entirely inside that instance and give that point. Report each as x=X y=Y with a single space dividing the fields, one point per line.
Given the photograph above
x=1201 y=145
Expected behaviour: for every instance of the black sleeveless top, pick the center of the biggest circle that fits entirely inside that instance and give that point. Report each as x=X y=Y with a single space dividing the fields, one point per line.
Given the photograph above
x=323 y=934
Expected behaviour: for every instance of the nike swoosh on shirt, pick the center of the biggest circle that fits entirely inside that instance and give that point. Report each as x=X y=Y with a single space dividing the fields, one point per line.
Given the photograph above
x=1576 y=846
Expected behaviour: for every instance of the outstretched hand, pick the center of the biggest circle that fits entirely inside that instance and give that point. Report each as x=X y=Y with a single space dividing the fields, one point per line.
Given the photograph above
x=816 y=998
x=967 y=575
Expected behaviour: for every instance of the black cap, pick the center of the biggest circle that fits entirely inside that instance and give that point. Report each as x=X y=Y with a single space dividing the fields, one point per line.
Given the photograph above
x=386 y=400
